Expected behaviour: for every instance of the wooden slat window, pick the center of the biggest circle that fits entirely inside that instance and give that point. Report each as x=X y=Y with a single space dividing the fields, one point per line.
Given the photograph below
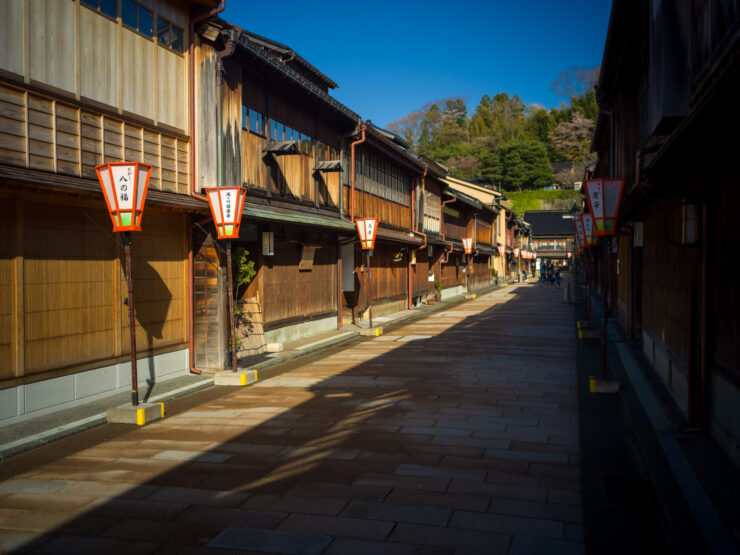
x=41 y=133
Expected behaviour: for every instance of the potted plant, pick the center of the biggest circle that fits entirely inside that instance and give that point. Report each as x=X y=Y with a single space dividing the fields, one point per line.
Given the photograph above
x=438 y=289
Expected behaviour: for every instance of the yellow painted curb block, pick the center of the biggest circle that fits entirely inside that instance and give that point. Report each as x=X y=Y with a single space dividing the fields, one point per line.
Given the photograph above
x=378 y=332
x=162 y=405
x=580 y=333
x=140 y=417
x=243 y=379
x=592 y=384
x=256 y=377
x=474 y=295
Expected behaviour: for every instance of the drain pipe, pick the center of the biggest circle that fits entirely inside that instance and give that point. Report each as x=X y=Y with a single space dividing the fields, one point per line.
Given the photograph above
x=363 y=127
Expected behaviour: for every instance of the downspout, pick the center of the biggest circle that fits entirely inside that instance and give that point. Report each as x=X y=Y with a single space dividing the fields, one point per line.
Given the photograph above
x=363 y=127
x=191 y=86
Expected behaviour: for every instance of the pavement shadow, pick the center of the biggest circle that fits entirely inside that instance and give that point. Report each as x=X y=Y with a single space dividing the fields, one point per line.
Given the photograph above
x=392 y=448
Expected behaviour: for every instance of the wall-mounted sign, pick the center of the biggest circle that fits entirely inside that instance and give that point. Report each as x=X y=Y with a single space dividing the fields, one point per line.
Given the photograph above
x=638 y=234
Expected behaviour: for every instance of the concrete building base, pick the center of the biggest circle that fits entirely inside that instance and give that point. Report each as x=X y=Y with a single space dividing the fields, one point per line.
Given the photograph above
x=242 y=377
x=141 y=414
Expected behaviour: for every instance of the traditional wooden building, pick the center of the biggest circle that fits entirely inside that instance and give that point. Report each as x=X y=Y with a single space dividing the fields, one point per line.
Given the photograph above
x=386 y=185
x=277 y=132
x=83 y=82
x=553 y=233
x=660 y=129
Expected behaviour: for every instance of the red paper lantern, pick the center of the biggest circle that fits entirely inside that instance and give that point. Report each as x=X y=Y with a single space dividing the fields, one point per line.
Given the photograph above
x=368 y=229
x=604 y=197
x=227 y=204
x=124 y=187
x=501 y=249
x=516 y=252
x=467 y=245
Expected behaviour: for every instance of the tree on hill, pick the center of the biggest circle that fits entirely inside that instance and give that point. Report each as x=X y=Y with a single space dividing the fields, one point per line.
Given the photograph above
x=520 y=164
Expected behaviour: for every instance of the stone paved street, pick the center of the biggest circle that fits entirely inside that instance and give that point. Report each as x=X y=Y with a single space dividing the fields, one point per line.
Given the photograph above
x=455 y=433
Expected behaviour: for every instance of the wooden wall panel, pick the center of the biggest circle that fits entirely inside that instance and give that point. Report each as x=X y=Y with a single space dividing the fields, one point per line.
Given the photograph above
x=420 y=284
x=13 y=126
x=254 y=169
x=137 y=65
x=290 y=293
x=69 y=286
x=42 y=133
x=389 y=279
x=11 y=36
x=67 y=139
x=452 y=274
x=52 y=43
x=98 y=58
x=208 y=303
x=91 y=144
x=667 y=274
x=7 y=287
x=160 y=280
x=171 y=88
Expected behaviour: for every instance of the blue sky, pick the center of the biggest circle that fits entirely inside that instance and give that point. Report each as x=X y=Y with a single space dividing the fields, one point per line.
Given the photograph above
x=390 y=58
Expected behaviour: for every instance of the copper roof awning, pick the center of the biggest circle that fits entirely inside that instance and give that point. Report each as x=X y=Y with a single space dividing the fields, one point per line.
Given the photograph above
x=280 y=148
x=329 y=166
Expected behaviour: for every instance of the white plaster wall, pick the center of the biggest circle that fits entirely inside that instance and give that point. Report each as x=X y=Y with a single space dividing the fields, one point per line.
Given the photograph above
x=296 y=332
x=48 y=396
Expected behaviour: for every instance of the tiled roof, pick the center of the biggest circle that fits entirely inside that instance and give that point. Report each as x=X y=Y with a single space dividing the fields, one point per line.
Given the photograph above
x=550 y=222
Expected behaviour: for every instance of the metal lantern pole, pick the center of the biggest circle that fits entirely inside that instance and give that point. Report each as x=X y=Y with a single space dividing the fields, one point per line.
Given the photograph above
x=227 y=204
x=126 y=237
x=124 y=186
x=369 y=290
x=367 y=229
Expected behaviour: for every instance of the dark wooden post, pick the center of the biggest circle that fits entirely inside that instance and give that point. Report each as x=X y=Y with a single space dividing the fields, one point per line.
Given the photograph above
x=231 y=306
x=126 y=237
x=369 y=291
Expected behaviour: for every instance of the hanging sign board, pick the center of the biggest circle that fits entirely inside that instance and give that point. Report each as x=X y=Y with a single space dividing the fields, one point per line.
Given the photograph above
x=468 y=244
x=516 y=252
x=501 y=249
x=367 y=228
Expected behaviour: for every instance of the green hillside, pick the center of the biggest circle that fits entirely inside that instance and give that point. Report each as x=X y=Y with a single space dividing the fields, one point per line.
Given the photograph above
x=539 y=199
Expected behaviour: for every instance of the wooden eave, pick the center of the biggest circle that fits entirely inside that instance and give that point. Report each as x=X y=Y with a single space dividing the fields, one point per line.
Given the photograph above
x=45 y=181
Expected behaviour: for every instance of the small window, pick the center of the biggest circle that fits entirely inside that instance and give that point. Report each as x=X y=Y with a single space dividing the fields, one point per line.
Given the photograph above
x=108 y=7
x=276 y=130
x=244 y=117
x=145 y=22
x=255 y=122
x=170 y=35
x=136 y=17
x=128 y=14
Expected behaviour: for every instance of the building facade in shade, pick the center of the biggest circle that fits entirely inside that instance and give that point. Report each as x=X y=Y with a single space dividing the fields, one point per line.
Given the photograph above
x=553 y=233
x=659 y=129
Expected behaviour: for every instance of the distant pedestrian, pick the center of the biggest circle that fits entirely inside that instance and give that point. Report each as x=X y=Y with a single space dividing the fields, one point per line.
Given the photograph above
x=542 y=275
x=557 y=275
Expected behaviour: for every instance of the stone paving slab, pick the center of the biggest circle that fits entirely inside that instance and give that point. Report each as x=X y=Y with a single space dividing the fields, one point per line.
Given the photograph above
x=455 y=433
